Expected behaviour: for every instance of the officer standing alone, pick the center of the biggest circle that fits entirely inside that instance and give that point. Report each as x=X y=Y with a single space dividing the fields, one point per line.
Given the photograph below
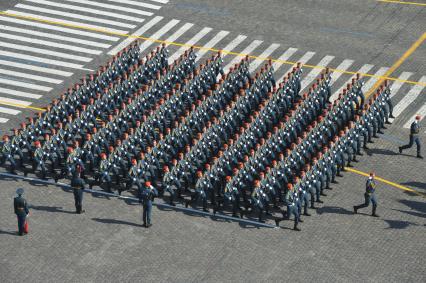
x=370 y=195
x=147 y=196
x=414 y=137
x=21 y=210
x=77 y=184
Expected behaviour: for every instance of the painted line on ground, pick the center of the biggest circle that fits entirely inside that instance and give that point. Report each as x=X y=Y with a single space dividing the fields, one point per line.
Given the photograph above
x=402 y=2
x=135 y=35
x=87 y=10
x=75 y=16
x=409 y=98
x=398 y=63
x=199 y=47
x=395 y=185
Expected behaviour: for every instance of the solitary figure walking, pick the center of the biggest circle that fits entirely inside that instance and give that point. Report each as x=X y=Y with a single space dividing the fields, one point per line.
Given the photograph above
x=414 y=137
x=370 y=195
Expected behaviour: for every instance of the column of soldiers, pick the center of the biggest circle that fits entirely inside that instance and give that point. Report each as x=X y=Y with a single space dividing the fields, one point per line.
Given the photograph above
x=241 y=140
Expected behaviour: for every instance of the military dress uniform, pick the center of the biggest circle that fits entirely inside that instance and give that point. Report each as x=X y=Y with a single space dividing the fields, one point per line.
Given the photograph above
x=146 y=197
x=414 y=138
x=370 y=196
x=21 y=210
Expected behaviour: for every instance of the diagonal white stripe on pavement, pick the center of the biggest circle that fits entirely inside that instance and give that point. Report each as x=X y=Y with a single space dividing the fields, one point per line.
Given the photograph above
x=215 y=40
x=24 y=84
x=158 y=34
x=313 y=74
x=363 y=70
x=265 y=54
x=112 y=7
x=88 y=10
x=252 y=46
x=44 y=51
x=19 y=93
x=130 y=39
x=58 y=28
x=192 y=41
x=75 y=16
x=409 y=98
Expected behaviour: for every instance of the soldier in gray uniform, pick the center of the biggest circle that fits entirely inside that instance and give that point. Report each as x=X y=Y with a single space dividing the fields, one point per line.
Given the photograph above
x=414 y=137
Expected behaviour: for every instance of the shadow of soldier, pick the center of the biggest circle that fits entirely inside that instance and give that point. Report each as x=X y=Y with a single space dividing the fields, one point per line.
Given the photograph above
x=115 y=221
x=399 y=224
x=8 y=233
x=50 y=209
x=333 y=209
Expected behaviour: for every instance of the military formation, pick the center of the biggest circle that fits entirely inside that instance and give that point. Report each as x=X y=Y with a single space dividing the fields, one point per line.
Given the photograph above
x=233 y=142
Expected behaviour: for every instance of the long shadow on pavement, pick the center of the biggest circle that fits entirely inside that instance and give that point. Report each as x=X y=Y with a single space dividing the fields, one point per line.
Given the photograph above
x=334 y=209
x=416 y=205
x=115 y=221
x=419 y=185
x=50 y=209
x=8 y=233
x=373 y=151
x=399 y=224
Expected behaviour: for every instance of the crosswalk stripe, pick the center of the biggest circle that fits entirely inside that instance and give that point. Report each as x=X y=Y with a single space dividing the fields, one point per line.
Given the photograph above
x=409 y=98
x=19 y=103
x=54 y=36
x=192 y=41
x=363 y=70
x=161 y=1
x=29 y=76
x=421 y=112
x=50 y=43
x=62 y=21
x=88 y=10
x=19 y=93
x=44 y=51
x=287 y=54
x=158 y=34
x=179 y=32
x=58 y=28
x=130 y=39
x=9 y=111
x=265 y=54
x=367 y=86
x=24 y=84
x=3 y=120
x=252 y=46
x=234 y=43
x=397 y=84
x=304 y=59
x=137 y=3
x=112 y=7
x=342 y=67
x=35 y=68
x=316 y=71
x=39 y=59
x=74 y=16
x=215 y=40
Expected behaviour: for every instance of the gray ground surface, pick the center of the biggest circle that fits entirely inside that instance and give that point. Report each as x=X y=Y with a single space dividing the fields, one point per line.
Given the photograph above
x=108 y=244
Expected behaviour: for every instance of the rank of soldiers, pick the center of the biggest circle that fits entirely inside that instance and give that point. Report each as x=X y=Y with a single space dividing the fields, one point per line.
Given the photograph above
x=229 y=141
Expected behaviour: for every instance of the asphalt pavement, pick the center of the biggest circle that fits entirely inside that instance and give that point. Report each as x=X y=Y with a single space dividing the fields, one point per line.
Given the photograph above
x=108 y=243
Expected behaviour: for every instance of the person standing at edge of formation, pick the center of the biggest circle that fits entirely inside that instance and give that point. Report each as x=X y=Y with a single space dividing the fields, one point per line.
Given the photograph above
x=414 y=137
x=77 y=184
x=370 y=195
x=146 y=197
x=21 y=210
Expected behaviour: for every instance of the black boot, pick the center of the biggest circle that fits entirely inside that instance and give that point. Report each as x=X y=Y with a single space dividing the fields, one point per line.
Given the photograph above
x=374 y=212
x=296 y=228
